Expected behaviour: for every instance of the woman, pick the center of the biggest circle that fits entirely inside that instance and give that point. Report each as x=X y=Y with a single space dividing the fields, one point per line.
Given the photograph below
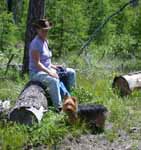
x=40 y=66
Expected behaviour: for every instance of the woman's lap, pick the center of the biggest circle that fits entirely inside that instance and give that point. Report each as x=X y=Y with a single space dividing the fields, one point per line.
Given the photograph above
x=52 y=84
x=42 y=77
x=46 y=79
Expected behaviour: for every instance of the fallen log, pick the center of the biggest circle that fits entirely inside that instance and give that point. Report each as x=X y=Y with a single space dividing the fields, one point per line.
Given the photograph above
x=125 y=84
x=31 y=104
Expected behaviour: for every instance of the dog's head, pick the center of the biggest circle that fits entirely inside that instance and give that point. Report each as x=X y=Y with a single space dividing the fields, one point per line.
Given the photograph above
x=70 y=104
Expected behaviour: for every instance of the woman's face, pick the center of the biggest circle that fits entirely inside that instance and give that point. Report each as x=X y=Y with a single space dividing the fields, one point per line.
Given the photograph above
x=42 y=33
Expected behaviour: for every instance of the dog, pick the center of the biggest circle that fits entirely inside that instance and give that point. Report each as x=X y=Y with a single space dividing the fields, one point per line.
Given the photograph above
x=94 y=115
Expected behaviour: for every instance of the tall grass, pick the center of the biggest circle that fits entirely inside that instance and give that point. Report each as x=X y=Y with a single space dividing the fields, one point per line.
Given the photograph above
x=93 y=86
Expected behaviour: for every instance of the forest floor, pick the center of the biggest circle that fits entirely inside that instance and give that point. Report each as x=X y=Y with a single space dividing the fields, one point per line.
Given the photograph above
x=100 y=142
x=123 y=126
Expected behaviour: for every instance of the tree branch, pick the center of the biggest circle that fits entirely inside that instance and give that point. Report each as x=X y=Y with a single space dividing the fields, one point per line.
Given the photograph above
x=86 y=44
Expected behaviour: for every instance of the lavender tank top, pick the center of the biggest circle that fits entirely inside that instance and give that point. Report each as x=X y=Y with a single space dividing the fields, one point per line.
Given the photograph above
x=45 y=54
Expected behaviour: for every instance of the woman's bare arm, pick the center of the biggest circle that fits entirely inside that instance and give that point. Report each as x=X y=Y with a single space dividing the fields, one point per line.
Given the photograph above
x=36 y=57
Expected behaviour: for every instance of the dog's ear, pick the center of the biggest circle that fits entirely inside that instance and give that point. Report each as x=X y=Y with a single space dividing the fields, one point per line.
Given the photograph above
x=75 y=102
x=74 y=99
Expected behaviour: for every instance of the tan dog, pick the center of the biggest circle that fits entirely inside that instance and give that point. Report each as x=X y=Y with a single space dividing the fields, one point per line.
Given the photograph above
x=70 y=107
x=93 y=114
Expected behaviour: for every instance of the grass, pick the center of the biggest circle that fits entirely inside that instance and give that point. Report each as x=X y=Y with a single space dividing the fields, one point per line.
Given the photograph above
x=93 y=87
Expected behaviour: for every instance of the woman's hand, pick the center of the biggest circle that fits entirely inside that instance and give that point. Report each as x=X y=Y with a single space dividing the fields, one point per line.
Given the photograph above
x=53 y=74
x=59 y=66
x=56 y=66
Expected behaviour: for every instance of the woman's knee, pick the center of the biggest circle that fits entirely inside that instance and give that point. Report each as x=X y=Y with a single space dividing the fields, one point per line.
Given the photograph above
x=53 y=86
x=71 y=71
x=54 y=81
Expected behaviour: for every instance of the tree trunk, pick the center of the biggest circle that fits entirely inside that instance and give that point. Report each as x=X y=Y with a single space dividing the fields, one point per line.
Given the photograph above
x=31 y=104
x=125 y=84
x=35 y=12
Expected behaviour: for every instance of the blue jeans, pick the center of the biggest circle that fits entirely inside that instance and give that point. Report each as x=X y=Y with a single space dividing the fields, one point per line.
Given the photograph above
x=53 y=84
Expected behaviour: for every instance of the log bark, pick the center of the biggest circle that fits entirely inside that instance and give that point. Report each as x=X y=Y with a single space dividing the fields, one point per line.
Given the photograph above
x=125 y=84
x=31 y=104
x=35 y=12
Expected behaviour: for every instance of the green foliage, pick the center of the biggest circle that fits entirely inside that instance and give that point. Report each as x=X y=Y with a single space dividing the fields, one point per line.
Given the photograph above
x=73 y=22
x=8 y=40
x=83 y=95
x=124 y=113
x=70 y=25
x=11 y=34
x=12 y=81
x=50 y=131
x=7 y=31
x=12 y=137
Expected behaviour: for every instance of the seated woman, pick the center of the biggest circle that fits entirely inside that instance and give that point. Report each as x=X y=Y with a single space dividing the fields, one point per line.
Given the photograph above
x=41 y=69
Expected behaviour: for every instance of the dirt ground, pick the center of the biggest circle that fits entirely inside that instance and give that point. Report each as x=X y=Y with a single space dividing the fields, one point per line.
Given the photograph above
x=124 y=141
x=99 y=142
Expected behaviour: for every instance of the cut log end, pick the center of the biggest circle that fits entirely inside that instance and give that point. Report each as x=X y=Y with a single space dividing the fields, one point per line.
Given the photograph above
x=23 y=116
x=121 y=85
x=31 y=104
